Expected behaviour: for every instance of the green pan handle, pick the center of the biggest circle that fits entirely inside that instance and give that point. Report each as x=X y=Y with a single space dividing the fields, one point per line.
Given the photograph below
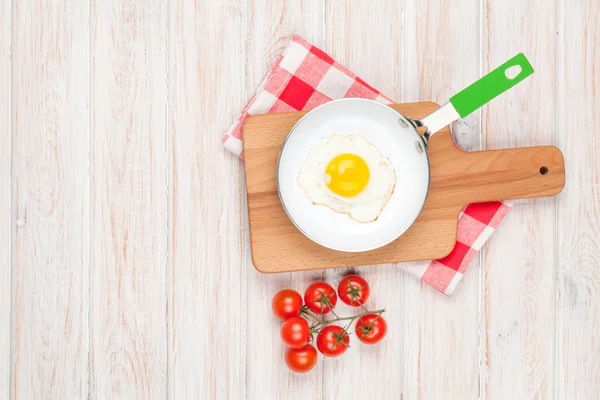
x=490 y=86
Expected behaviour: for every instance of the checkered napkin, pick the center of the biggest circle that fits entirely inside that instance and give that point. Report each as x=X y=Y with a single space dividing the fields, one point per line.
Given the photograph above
x=305 y=77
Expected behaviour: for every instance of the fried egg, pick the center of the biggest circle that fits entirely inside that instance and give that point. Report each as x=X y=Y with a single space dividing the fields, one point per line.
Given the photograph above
x=349 y=175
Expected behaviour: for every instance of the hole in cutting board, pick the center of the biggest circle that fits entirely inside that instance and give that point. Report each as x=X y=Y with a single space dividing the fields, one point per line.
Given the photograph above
x=513 y=72
x=544 y=170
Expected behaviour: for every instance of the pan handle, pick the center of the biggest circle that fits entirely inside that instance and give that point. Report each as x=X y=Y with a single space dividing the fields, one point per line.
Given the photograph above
x=479 y=93
x=491 y=85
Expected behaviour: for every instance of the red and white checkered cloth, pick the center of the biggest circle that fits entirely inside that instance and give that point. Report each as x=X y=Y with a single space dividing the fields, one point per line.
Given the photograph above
x=305 y=77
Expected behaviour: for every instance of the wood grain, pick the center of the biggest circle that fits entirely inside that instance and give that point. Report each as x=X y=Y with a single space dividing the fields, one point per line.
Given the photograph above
x=50 y=199
x=5 y=199
x=271 y=25
x=363 y=369
x=456 y=179
x=578 y=209
x=128 y=318
x=207 y=293
x=439 y=348
x=519 y=292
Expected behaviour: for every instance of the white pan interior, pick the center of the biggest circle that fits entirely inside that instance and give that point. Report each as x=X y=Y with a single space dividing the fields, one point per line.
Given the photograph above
x=393 y=136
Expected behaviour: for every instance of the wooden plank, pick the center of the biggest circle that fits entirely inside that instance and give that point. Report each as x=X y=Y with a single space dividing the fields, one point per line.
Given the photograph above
x=270 y=28
x=373 y=371
x=578 y=217
x=5 y=199
x=128 y=318
x=429 y=351
x=50 y=199
x=207 y=288
x=439 y=340
x=519 y=292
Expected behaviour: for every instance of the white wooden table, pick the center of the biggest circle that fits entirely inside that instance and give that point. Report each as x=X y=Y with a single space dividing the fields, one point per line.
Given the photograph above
x=125 y=269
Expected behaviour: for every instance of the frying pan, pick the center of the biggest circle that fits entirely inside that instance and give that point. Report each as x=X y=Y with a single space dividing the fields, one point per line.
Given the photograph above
x=397 y=138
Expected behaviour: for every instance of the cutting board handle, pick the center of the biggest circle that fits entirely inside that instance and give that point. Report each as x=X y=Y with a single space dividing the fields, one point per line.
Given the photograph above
x=512 y=174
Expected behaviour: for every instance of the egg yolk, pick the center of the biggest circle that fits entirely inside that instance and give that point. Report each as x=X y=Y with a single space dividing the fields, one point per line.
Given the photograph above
x=347 y=175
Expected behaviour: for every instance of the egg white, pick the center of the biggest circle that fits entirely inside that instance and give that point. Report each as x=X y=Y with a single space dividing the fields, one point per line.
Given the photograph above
x=367 y=205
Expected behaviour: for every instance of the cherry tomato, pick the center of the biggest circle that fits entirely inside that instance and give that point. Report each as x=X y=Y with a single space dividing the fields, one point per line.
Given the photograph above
x=286 y=303
x=333 y=341
x=320 y=297
x=353 y=290
x=371 y=328
x=294 y=332
x=301 y=360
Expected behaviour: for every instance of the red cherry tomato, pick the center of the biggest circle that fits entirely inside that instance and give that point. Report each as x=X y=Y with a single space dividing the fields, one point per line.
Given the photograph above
x=294 y=332
x=371 y=328
x=320 y=297
x=353 y=290
x=286 y=303
x=301 y=360
x=333 y=341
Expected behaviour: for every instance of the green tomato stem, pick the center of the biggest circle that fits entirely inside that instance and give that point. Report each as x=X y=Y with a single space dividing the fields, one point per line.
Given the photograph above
x=351 y=318
x=306 y=311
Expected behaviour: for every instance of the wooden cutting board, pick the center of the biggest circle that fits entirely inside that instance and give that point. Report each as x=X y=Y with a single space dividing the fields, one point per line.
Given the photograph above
x=457 y=179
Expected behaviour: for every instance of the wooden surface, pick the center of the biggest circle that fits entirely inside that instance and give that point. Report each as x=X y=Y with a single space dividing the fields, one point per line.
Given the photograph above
x=128 y=215
x=457 y=178
x=50 y=200
x=5 y=198
x=520 y=284
x=125 y=269
x=206 y=277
